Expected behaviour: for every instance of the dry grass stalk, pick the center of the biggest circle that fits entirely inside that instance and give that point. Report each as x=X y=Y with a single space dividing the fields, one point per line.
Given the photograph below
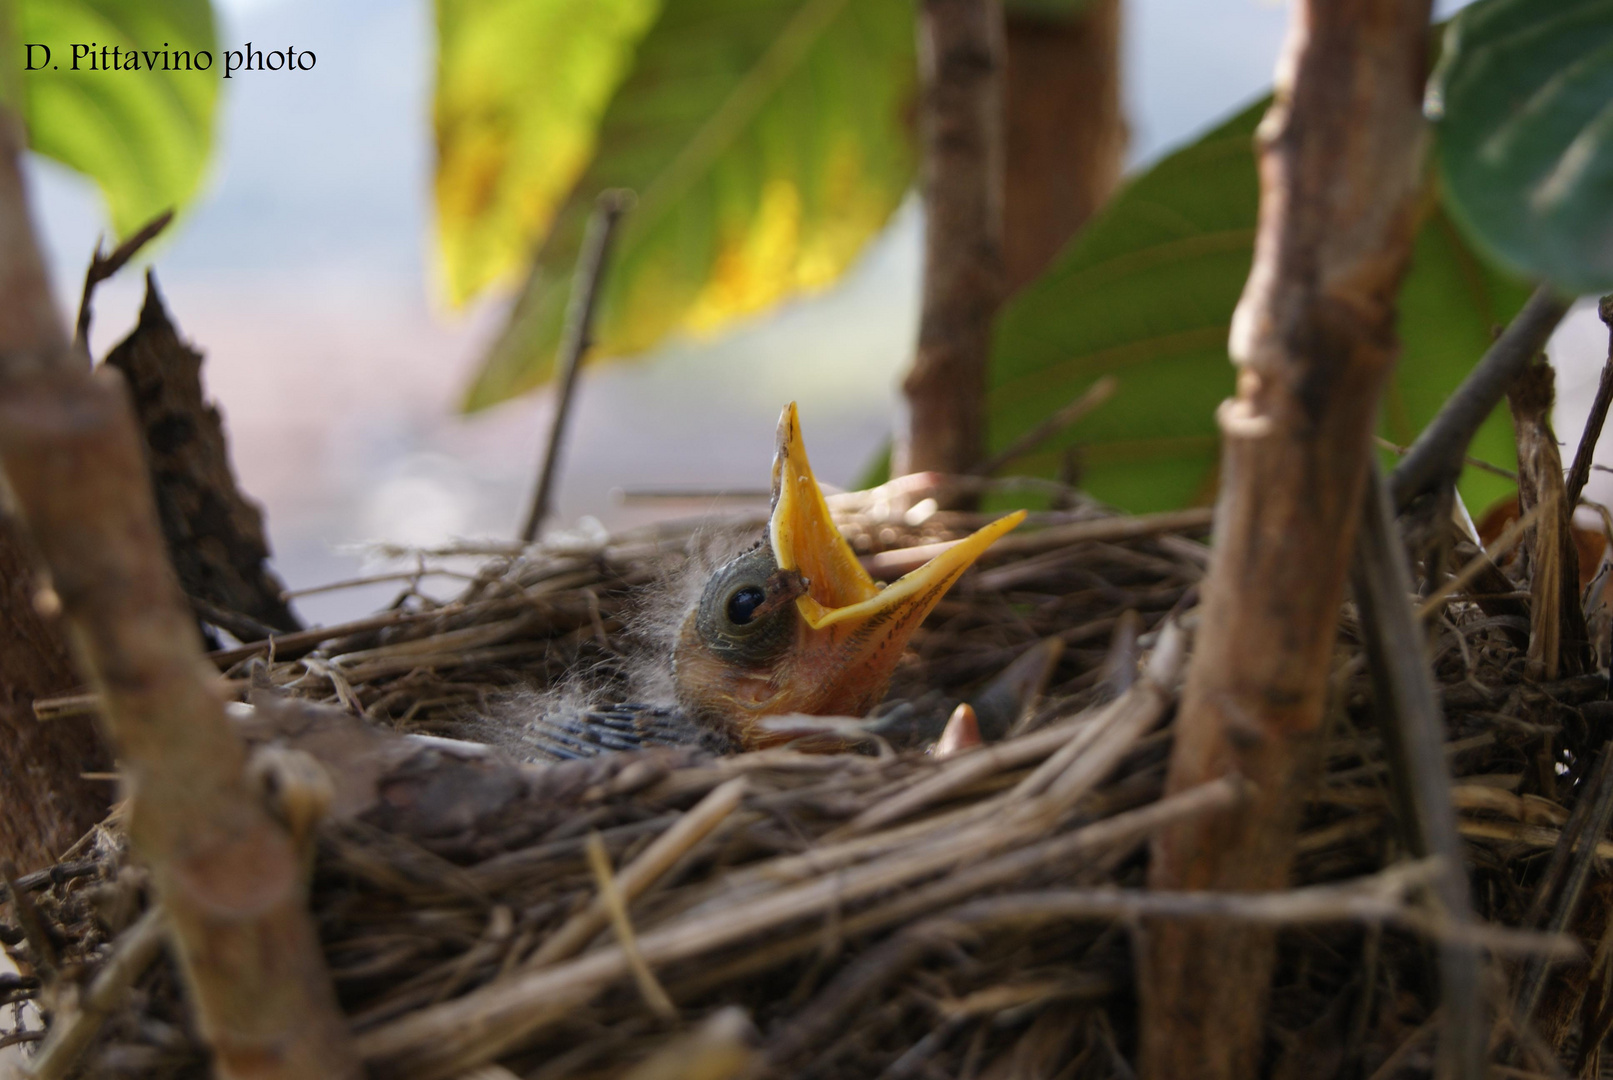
x=1559 y=643
x=643 y=872
x=610 y=896
x=133 y=953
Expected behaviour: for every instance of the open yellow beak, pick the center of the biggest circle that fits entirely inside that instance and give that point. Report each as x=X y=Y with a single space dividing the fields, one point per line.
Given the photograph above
x=855 y=630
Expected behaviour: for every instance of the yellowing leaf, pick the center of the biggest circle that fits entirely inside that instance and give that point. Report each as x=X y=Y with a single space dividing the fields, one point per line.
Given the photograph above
x=521 y=86
x=768 y=141
x=142 y=135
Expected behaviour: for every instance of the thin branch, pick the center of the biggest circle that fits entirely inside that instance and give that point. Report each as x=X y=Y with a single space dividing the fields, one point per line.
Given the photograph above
x=1382 y=898
x=1340 y=155
x=1436 y=456
x=1094 y=395
x=104 y=266
x=41 y=948
x=132 y=954
x=643 y=871
x=1411 y=722
x=1485 y=559
x=225 y=872
x=244 y=627
x=961 y=63
x=1587 y=825
x=575 y=341
x=1467 y=459
x=1588 y=438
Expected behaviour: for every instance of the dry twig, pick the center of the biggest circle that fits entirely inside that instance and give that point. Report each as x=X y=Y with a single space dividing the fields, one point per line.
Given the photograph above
x=226 y=873
x=1435 y=458
x=1411 y=722
x=576 y=337
x=1341 y=170
x=961 y=124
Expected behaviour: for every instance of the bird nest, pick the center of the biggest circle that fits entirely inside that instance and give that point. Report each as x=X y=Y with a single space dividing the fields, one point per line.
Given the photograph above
x=883 y=913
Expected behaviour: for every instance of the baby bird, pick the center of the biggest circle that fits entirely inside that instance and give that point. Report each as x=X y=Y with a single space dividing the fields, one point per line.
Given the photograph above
x=792 y=625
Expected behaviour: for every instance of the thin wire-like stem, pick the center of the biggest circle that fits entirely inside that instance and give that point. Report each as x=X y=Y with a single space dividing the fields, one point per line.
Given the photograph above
x=1412 y=725
x=574 y=343
x=1580 y=471
x=1593 y=814
x=104 y=266
x=1437 y=454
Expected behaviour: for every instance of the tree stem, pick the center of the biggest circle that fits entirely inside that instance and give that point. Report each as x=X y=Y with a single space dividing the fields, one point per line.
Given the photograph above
x=1314 y=337
x=223 y=870
x=961 y=74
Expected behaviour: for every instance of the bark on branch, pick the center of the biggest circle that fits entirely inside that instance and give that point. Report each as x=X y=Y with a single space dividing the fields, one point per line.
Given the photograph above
x=961 y=72
x=1340 y=155
x=48 y=805
x=226 y=873
x=214 y=532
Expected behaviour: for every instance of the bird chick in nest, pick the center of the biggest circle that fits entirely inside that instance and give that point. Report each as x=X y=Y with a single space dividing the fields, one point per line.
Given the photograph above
x=793 y=625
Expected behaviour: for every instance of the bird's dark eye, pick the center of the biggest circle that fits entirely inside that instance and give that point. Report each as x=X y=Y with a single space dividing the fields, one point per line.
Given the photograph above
x=735 y=619
x=743 y=604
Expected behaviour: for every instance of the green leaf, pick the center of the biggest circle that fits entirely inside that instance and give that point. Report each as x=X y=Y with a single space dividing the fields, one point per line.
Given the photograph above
x=767 y=141
x=1146 y=292
x=142 y=135
x=521 y=87
x=1524 y=93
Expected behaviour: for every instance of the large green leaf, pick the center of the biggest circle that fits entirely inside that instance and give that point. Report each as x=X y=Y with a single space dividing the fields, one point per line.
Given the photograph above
x=1524 y=96
x=142 y=135
x=1146 y=293
x=521 y=87
x=767 y=141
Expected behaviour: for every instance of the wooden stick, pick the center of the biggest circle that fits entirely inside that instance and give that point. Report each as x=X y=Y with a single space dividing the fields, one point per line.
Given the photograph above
x=1105 y=530
x=1435 y=457
x=46 y=805
x=224 y=871
x=961 y=50
x=1382 y=898
x=1596 y=798
x=574 y=342
x=1409 y=718
x=69 y=1037
x=1340 y=156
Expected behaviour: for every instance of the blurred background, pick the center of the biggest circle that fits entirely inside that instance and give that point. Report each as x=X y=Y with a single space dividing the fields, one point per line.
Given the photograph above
x=304 y=271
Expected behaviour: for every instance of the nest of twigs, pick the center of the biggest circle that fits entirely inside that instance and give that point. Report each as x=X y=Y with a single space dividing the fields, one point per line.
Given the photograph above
x=878 y=914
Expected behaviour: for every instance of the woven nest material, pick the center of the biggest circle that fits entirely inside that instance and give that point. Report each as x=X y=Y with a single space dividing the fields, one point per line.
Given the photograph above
x=852 y=915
